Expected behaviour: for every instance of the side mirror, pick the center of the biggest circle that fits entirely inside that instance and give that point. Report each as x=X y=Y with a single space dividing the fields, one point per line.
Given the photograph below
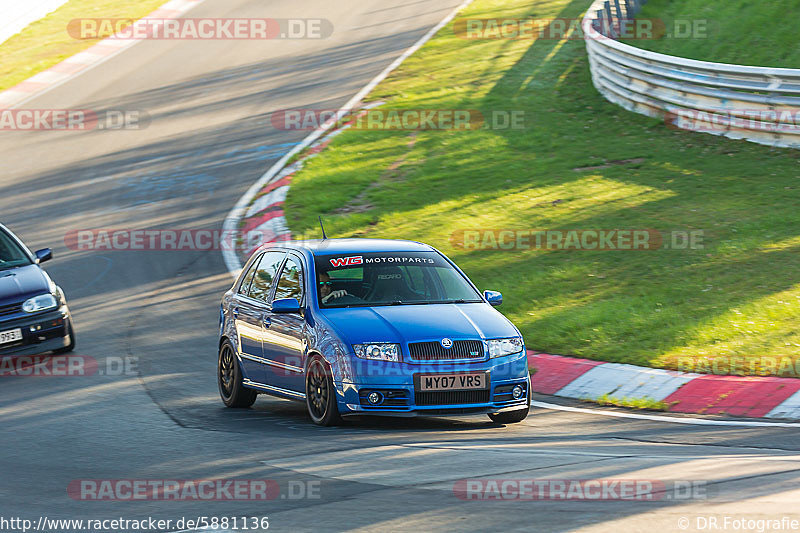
x=45 y=254
x=286 y=305
x=493 y=297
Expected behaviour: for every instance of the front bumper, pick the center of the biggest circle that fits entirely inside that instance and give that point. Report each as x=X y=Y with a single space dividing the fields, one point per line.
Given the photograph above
x=394 y=382
x=40 y=333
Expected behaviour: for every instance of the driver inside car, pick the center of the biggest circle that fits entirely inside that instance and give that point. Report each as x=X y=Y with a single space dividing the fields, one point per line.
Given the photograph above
x=326 y=292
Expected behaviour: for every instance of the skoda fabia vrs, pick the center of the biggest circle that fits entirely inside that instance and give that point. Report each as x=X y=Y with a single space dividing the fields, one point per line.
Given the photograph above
x=368 y=327
x=34 y=317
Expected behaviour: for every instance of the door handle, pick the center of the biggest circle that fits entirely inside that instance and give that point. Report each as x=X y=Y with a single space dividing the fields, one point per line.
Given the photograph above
x=235 y=312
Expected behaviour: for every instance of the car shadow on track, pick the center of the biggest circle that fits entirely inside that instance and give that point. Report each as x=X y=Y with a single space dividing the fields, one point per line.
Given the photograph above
x=285 y=413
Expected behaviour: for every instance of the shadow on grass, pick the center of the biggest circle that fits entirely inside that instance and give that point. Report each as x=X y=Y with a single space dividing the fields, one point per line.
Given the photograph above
x=631 y=306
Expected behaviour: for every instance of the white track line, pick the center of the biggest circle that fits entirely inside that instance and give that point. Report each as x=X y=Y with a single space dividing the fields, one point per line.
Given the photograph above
x=659 y=418
x=232 y=220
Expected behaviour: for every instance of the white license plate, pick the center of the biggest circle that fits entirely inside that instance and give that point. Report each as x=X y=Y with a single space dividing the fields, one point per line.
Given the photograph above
x=440 y=382
x=10 y=336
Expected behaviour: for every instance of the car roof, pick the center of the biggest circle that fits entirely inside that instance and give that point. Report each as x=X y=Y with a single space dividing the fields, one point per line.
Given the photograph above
x=354 y=246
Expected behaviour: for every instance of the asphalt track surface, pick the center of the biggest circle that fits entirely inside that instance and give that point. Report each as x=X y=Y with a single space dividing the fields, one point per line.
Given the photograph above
x=209 y=139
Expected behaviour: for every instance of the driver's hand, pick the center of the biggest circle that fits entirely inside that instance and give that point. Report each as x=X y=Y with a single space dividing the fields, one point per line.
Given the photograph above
x=334 y=295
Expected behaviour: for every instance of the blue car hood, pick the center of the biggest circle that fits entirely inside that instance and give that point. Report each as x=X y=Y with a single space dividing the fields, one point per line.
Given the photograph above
x=412 y=323
x=21 y=283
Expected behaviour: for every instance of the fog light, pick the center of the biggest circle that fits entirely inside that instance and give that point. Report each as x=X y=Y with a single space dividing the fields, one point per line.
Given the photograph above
x=516 y=392
x=374 y=398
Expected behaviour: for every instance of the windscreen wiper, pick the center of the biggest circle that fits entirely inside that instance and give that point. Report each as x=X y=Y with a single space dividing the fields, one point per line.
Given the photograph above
x=457 y=301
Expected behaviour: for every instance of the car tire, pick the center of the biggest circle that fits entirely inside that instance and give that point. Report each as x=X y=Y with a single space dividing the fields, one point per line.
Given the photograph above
x=229 y=380
x=321 y=394
x=512 y=417
x=71 y=346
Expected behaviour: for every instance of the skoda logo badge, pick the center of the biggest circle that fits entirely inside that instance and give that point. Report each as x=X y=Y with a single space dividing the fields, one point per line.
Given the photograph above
x=447 y=343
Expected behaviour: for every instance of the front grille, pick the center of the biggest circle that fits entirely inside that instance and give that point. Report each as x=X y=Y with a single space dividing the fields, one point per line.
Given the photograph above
x=434 y=351
x=11 y=309
x=459 y=411
x=451 y=397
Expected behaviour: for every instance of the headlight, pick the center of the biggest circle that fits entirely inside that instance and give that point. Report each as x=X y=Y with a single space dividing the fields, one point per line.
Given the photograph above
x=39 y=303
x=501 y=347
x=381 y=351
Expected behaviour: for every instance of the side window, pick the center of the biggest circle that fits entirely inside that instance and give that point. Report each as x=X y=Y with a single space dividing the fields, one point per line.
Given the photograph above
x=265 y=274
x=245 y=286
x=291 y=282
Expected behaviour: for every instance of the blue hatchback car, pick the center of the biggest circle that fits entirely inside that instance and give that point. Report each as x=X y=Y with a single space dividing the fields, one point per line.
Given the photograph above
x=34 y=317
x=368 y=327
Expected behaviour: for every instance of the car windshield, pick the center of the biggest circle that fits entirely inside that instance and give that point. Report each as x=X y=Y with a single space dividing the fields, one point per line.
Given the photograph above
x=11 y=255
x=407 y=278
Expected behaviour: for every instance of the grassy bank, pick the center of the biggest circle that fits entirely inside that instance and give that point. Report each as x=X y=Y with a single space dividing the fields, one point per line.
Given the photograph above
x=579 y=163
x=727 y=31
x=46 y=42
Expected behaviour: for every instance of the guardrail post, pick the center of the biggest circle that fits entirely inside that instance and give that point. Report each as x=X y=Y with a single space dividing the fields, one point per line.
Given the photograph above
x=618 y=9
x=603 y=27
x=597 y=21
x=609 y=18
x=598 y=16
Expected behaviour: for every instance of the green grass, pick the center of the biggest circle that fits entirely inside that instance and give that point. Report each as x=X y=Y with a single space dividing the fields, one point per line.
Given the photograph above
x=740 y=295
x=748 y=32
x=46 y=42
x=648 y=404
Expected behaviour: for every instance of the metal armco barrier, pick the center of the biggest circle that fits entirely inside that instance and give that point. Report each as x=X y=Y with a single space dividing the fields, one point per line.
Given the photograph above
x=759 y=104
